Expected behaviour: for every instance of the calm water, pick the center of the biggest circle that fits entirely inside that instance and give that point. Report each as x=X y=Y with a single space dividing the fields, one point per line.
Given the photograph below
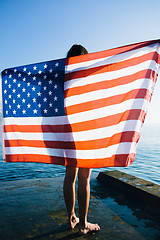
x=146 y=164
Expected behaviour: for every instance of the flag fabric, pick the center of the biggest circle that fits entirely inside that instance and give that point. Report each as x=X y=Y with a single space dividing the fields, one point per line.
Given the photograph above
x=84 y=111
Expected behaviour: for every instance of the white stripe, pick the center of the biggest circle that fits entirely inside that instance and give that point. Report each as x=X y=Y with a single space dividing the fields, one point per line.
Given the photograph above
x=99 y=133
x=110 y=92
x=36 y=120
x=122 y=148
x=107 y=76
x=112 y=59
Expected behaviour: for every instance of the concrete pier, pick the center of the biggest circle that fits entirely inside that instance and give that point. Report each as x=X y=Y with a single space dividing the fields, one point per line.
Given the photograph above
x=35 y=210
x=145 y=193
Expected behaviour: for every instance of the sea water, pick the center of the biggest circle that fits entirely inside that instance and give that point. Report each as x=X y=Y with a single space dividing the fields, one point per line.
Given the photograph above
x=146 y=164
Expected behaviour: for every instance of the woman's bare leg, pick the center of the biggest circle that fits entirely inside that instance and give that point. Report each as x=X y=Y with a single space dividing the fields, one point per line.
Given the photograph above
x=69 y=195
x=83 y=201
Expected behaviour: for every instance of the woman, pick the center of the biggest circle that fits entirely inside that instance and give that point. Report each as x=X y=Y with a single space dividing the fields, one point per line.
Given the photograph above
x=83 y=181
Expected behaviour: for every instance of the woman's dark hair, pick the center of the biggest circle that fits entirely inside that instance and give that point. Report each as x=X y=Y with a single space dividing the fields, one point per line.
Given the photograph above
x=76 y=50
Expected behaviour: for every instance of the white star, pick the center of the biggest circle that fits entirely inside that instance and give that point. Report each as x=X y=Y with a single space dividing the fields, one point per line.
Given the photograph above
x=45 y=88
x=28 y=84
x=45 y=66
x=15 y=70
x=6 y=112
x=55 y=86
x=24 y=111
x=50 y=93
x=29 y=73
x=35 y=111
x=14 y=101
x=34 y=100
x=10 y=107
x=9 y=85
x=14 y=90
x=56 y=75
x=55 y=98
x=9 y=96
x=45 y=110
x=23 y=100
x=29 y=105
x=14 y=80
x=34 y=78
x=18 y=106
x=45 y=99
x=14 y=111
x=6 y=72
x=24 y=79
x=19 y=74
x=24 y=69
x=39 y=94
x=10 y=76
x=33 y=89
x=18 y=95
x=28 y=94
x=39 y=105
x=50 y=81
x=56 y=110
x=18 y=84
x=45 y=77
x=39 y=71
x=56 y=64
x=5 y=91
x=5 y=101
x=5 y=81
x=23 y=89
x=39 y=83
x=51 y=70
x=34 y=68
x=50 y=104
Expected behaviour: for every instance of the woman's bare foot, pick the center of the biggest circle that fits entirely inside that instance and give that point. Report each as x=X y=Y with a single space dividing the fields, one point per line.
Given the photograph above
x=73 y=221
x=90 y=227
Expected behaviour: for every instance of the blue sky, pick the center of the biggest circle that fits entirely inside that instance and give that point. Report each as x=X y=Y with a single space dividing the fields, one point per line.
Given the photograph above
x=39 y=30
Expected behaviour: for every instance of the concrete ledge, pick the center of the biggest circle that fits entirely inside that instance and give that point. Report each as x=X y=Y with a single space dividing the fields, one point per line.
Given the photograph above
x=138 y=189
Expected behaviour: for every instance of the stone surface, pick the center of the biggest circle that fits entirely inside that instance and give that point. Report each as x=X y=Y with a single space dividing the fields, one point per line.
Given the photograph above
x=35 y=210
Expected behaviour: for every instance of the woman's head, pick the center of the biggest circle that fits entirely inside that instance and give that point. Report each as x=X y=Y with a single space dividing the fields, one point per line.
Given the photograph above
x=76 y=50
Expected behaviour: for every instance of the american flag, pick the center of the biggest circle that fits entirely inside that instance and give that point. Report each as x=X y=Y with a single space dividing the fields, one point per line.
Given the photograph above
x=85 y=111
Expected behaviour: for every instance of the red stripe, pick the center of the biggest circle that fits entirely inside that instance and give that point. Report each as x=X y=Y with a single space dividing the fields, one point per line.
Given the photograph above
x=150 y=74
x=35 y=158
x=111 y=67
x=129 y=136
x=38 y=128
x=120 y=160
